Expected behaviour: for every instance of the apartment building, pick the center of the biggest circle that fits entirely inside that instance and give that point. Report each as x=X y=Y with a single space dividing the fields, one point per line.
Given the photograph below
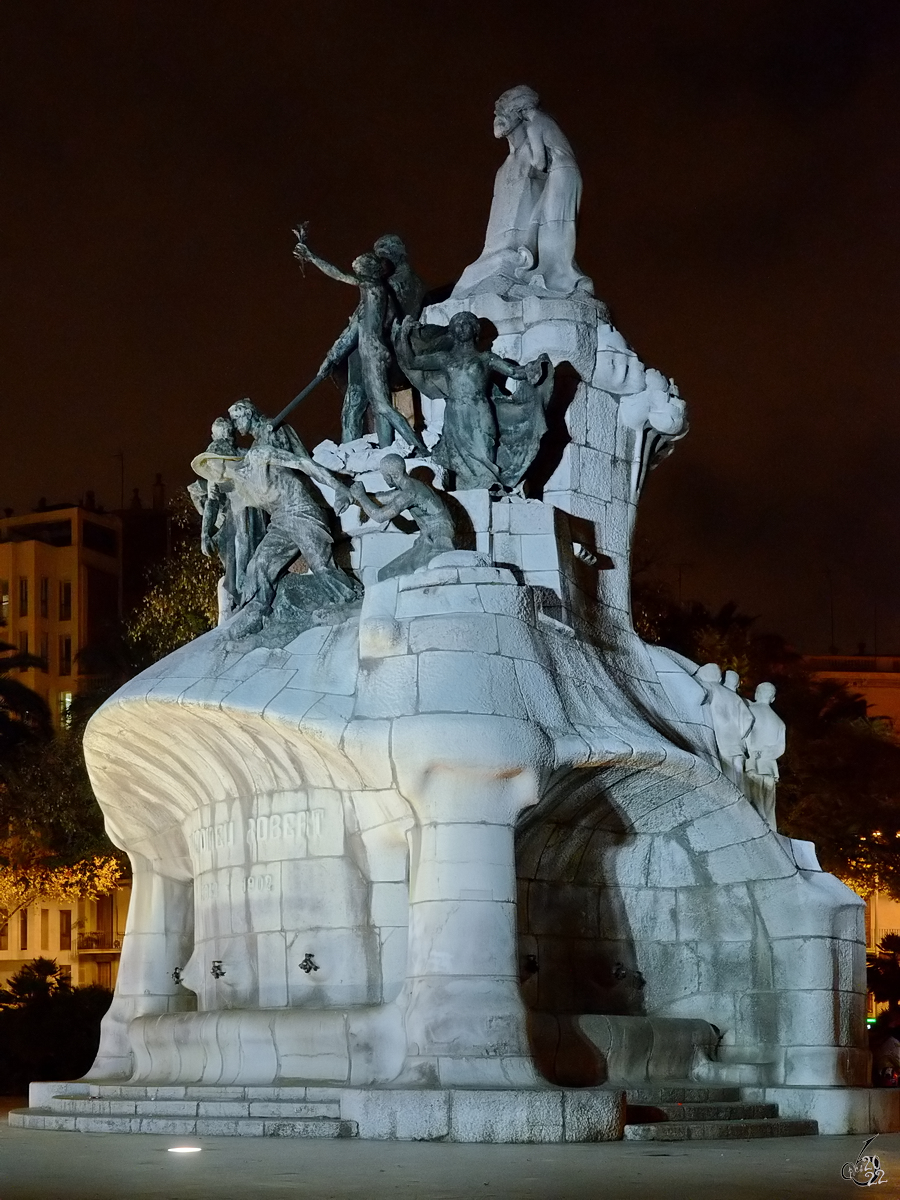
x=877 y=679
x=60 y=591
x=874 y=676
x=83 y=936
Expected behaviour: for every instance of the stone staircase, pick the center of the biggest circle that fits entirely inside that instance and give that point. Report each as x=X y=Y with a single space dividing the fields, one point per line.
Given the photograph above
x=661 y=1113
x=185 y=1111
x=681 y=1113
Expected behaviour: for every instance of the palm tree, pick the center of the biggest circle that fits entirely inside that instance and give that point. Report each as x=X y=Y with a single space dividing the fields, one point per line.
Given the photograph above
x=24 y=715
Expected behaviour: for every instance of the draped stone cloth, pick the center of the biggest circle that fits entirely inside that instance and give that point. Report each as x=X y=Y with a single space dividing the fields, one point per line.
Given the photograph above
x=530 y=236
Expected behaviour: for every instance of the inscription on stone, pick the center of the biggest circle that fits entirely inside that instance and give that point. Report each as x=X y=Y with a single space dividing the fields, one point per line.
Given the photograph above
x=209 y=836
x=285 y=826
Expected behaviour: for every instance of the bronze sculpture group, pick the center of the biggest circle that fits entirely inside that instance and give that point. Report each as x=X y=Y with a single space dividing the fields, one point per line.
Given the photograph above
x=270 y=507
x=261 y=511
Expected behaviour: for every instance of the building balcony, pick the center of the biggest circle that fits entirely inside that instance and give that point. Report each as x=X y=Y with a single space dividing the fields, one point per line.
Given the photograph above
x=97 y=943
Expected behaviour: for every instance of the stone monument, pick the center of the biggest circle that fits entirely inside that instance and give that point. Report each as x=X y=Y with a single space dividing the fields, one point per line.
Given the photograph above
x=426 y=842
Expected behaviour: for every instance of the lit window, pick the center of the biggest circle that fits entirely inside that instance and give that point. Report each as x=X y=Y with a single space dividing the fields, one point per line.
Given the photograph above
x=4 y=601
x=64 y=709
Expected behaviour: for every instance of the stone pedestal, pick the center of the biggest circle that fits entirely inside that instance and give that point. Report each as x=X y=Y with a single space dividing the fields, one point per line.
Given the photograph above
x=468 y=846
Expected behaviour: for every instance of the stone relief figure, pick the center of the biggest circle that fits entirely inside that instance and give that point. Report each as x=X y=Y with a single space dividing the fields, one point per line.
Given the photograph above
x=461 y=374
x=417 y=499
x=273 y=475
x=229 y=527
x=368 y=335
x=764 y=745
x=731 y=718
x=531 y=228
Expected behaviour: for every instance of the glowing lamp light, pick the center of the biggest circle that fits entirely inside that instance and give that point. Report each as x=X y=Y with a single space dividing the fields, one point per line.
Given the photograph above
x=185 y=1149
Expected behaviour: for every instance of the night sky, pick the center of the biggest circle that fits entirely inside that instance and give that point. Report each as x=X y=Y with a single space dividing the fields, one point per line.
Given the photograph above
x=741 y=164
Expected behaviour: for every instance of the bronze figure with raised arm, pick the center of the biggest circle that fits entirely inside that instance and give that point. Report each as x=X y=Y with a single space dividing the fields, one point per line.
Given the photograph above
x=368 y=333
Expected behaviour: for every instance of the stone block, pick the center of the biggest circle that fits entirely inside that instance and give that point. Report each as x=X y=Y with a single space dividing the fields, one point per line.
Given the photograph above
x=511 y=1116
x=595 y=473
x=210 y=1092
x=508 y=345
x=737 y=966
x=836 y=1110
x=723 y=914
x=375 y=809
x=469 y=683
x=41 y=1094
x=762 y=858
x=539 y=552
x=367 y=743
x=393 y=944
x=507 y=548
x=477 y=503
x=736 y=822
x=671 y=865
x=343 y=957
x=672 y=972
x=170 y=1126
x=390 y=904
x=455 y=631
x=552 y=909
x=387 y=687
x=475 y=928
x=616 y=860
x=236 y=1127
x=388 y=1114
x=508 y=600
x=818 y=963
x=816 y=905
x=563 y=483
x=827 y=1066
x=516 y=639
x=323 y=893
x=209 y=693
x=432 y=601
x=28 y=1119
x=382 y=637
x=649 y=912
x=538 y=688
x=174 y=1108
x=222 y=1108
x=818 y=1018
x=259 y=690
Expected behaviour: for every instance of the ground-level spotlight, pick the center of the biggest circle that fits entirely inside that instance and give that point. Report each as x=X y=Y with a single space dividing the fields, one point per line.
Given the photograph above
x=185 y=1149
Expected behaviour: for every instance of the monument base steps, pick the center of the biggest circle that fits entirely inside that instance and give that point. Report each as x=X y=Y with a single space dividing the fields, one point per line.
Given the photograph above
x=428 y=1114
x=681 y=1114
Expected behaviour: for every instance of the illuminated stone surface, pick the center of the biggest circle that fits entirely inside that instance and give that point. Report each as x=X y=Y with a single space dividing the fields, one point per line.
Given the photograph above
x=468 y=847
